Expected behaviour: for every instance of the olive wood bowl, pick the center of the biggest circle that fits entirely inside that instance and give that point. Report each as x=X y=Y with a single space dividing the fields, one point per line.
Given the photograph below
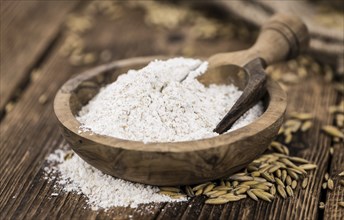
x=168 y=163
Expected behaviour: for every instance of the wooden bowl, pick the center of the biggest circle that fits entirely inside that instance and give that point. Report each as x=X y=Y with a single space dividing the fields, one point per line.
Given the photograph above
x=177 y=163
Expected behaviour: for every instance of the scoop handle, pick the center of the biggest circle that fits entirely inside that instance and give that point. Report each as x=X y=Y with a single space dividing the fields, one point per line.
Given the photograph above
x=283 y=37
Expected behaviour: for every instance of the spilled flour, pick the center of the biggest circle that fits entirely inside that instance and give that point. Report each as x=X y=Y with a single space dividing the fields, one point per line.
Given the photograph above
x=162 y=102
x=72 y=174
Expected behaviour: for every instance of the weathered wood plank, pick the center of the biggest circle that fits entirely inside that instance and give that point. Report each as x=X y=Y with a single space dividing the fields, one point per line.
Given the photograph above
x=194 y=208
x=332 y=208
x=27 y=28
x=313 y=146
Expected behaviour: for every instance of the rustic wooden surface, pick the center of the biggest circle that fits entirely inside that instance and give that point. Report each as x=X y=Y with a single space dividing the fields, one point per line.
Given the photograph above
x=25 y=38
x=29 y=129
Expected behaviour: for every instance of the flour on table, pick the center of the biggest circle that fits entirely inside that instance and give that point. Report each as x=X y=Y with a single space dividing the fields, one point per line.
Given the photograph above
x=102 y=190
x=162 y=102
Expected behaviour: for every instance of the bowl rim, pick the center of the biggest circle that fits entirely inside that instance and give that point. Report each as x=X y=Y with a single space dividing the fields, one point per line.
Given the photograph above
x=66 y=118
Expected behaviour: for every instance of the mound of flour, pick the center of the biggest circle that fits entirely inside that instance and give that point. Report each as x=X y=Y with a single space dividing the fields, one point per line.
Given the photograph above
x=162 y=102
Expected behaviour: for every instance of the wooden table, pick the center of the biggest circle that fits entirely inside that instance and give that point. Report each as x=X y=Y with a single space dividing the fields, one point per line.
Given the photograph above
x=32 y=37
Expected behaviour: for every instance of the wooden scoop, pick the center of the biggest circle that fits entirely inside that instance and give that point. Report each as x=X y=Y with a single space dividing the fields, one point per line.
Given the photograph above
x=281 y=38
x=187 y=162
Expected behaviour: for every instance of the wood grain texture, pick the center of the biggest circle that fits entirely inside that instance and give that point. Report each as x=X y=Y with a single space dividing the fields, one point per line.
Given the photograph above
x=27 y=28
x=333 y=197
x=313 y=146
x=29 y=133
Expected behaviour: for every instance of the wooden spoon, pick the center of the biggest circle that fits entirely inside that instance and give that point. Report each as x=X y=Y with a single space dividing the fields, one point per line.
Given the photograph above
x=281 y=38
x=188 y=162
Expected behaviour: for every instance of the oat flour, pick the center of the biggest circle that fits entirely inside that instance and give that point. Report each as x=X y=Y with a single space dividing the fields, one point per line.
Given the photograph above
x=162 y=102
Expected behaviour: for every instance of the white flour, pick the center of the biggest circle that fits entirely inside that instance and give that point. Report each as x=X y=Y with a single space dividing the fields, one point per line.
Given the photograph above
x=101 y=190
x=163 y=102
